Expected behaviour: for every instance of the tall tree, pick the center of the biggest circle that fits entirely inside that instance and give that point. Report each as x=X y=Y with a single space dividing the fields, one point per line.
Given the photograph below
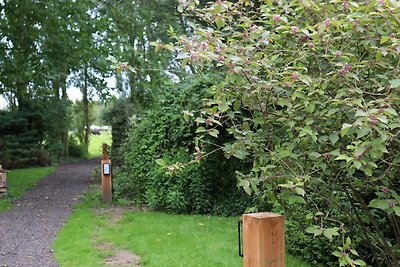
x=133 y=27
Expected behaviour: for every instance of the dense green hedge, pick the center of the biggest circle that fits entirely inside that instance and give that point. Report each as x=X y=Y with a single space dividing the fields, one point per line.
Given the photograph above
x=205 y=187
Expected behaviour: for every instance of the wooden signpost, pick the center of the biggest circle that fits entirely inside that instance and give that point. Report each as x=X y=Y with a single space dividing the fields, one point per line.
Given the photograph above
x=3 y=183
x=106 y=175
x=263 y=240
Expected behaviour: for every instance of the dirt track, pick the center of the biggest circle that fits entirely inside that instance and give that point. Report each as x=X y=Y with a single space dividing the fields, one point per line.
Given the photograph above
x=28 y=230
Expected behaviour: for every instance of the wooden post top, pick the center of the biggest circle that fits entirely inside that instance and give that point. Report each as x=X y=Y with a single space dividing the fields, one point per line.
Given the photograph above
x=262 y=215
x=104 y=152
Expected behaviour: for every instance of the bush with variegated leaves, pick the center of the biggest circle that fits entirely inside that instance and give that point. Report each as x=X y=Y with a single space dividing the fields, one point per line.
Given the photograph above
x=311 y=97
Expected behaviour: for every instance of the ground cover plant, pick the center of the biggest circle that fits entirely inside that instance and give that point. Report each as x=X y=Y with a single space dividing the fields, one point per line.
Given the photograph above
x=310 y=91
x=21 y=180
x=95 y=232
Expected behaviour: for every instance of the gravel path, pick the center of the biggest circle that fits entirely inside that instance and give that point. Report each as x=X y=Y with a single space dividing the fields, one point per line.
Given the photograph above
x=28 y=230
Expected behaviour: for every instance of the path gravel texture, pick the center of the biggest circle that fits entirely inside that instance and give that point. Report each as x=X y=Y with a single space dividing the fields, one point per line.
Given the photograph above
x=28 y=230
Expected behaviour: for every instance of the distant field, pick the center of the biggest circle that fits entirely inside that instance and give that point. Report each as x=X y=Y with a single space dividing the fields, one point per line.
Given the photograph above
x=96 y=141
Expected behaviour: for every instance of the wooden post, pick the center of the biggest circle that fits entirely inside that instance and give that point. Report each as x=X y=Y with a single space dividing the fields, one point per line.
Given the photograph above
x=104 y=152
x=3 y=183
x=263 y=240
x=106 y=175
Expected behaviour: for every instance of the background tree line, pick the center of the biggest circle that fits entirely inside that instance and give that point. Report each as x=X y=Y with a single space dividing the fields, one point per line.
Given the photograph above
x=49 y=46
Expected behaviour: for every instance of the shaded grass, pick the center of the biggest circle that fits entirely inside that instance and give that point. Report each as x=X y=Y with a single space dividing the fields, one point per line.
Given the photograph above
x=96 y=141
x=159 y=239
x=20 y=180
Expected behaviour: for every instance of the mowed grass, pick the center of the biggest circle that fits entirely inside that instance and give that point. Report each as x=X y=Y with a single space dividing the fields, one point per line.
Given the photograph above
x=161 y=240
x=20 y=180
x=96 y=142
x=75 y=243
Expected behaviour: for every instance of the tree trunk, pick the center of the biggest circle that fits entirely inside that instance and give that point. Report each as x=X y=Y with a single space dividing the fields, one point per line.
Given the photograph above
x=85 y=101
x=22 y=95
x=64 y=97
x=56 y=88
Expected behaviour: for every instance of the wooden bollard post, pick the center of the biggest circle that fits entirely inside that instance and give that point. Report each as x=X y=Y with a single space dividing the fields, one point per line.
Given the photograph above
x=263 y=240
x=106 y=175
x=3 y=182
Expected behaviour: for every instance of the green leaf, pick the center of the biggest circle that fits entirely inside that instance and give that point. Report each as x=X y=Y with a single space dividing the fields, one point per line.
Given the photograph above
x=359 y=262
x=246 y=186
x=332 y=111
x=363 y=131
x=359 y=151
x=309 y=216
x=379 y=204
x=396 y=210
x=315 y=154
x=345 y=128
x=161 y=162
x=394 y=126
x=390 y=111
x=333 y=138
x=395 y=83
x=112 y=59
x=367 y=171
x=382 y=118
x=314 y=230
x=357 y=164
x=300 y=191
x=347 y=244
x=220 y=22
x=337 y=254
x=296 y=199
x=217 y=9
x=201 y=130
x=330 y=232
x=184 y=62
x=240 y=154
x=213 y=132
x=384 y=39
x=305 y=79
x=343 y=157
x=354 y=252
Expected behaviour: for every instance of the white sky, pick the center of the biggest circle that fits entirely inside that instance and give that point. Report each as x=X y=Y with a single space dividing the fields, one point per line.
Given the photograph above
x=73 y=92
x=3 y=102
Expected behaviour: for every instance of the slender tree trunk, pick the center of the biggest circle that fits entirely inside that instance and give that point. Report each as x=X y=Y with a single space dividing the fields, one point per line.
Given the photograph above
x=22 y=95
x=85 y=100
x=134 y=94
x=56 y=88
x=64 y=97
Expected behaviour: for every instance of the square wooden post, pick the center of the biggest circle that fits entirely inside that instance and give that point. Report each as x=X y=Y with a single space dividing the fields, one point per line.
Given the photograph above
x=106 y=176
x=263 y=240
x=3 y=182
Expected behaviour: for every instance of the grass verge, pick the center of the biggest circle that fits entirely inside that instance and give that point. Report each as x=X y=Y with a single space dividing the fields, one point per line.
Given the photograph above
x=96 y=141
x=159 y=239
x=20 y=180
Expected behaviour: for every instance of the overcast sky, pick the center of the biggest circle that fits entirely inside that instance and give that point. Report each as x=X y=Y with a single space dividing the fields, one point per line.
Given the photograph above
x=73 y=92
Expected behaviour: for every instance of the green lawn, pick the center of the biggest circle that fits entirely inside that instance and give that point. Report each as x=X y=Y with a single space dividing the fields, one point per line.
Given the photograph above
x=96 y=141
x=159 y=239
x=21 y=180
